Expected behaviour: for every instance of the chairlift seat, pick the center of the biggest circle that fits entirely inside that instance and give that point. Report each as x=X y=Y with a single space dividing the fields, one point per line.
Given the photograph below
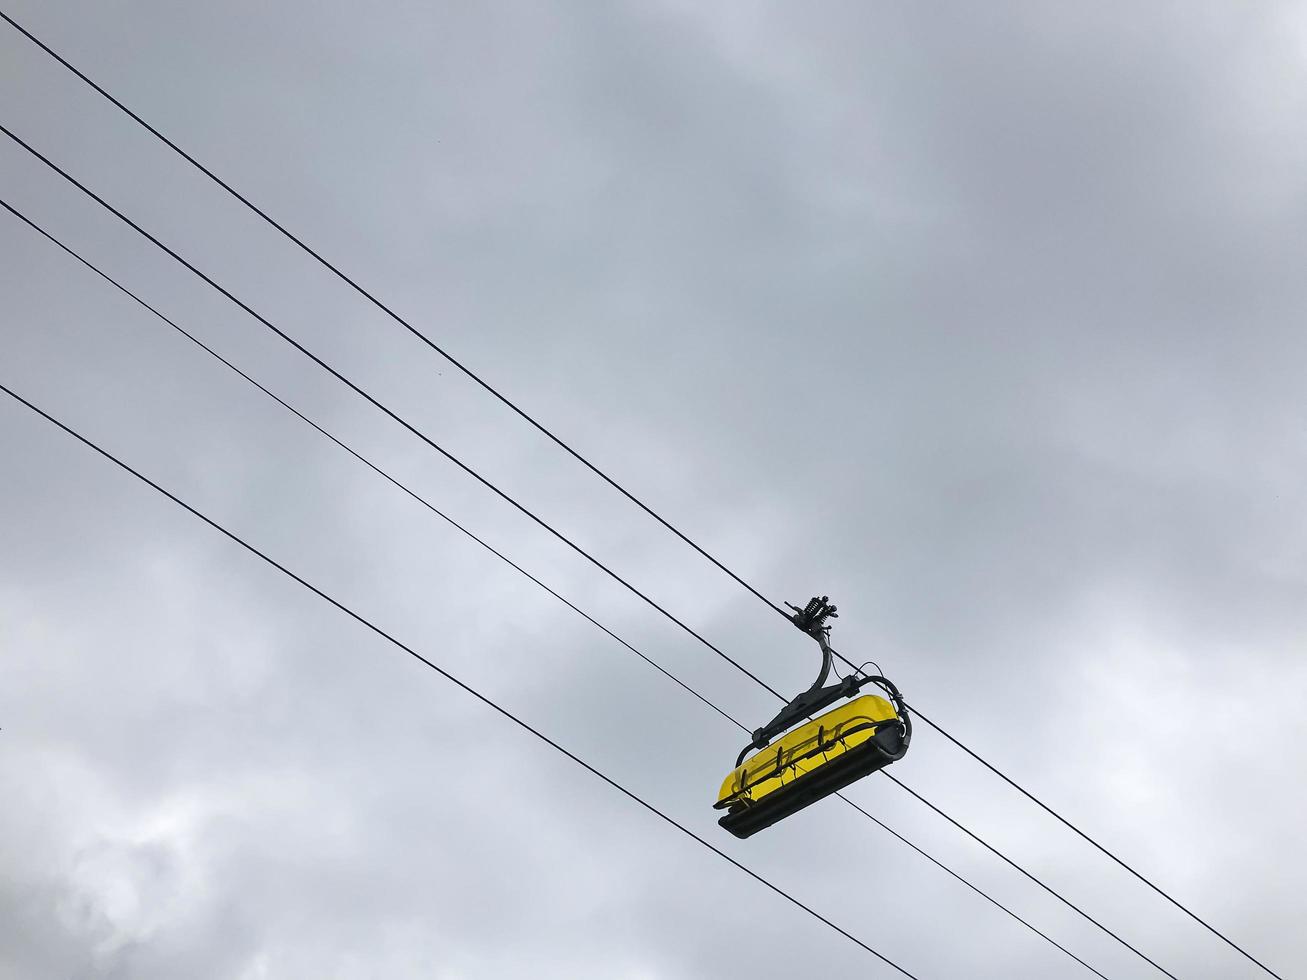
x=810 y=763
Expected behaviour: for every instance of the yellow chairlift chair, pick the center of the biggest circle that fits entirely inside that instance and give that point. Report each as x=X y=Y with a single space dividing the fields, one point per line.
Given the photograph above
x=822 y=755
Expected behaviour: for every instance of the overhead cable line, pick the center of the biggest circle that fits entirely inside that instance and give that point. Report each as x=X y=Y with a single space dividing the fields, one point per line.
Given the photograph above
x=583 y=460
x=484 y=699
x=1080 y=833
x=386 y=410
x=983 y=894
x=353 y=452
x=416 y=431
x=1058 y=895
x=500 y=555
x=371 y=298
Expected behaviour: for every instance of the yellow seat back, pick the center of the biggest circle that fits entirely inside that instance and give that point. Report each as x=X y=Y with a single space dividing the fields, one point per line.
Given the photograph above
x=805 y=749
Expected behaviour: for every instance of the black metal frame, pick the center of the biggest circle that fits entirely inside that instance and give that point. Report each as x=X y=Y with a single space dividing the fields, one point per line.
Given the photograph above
x=812 y=620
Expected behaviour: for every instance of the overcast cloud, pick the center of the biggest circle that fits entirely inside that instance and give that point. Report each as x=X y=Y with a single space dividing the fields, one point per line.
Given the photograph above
x=987 y=320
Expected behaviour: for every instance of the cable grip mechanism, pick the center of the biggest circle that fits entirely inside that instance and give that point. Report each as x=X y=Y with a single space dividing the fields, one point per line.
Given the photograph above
x=812 y=617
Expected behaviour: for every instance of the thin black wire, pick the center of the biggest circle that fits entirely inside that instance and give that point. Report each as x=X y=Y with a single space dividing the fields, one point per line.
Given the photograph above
x=388 y=311
x=409 y=426
x=439 y=513
x=992 y=849
x=1080 y=833
x=359 y=618
x=974 y=888
x=1067 y=823
x=386 y=410
x=349 y=449
x=604 y=476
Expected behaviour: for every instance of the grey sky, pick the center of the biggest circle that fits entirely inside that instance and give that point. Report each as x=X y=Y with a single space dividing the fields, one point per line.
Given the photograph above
x=985 y=320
